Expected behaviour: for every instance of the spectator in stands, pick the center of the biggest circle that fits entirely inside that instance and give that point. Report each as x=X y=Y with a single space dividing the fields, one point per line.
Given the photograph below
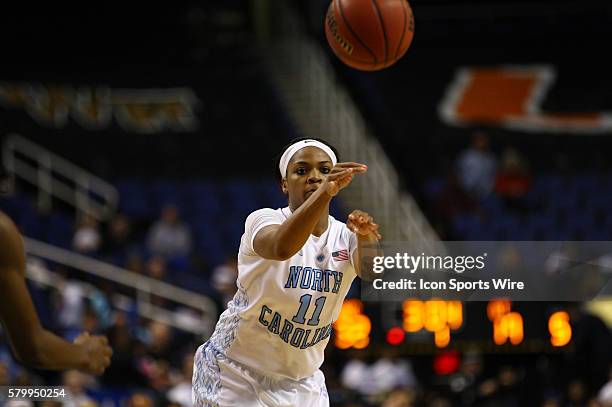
x=500 y=390
x=156 y=267
x=72 y=305
x=476 y=166
x=513 y=180
x=140 y=400
x=117 y=238
x=87 y=237
x=75 y=383
x=400 y=398
x=161 y=338
x=391 y=371
x=123 y=369
x=169 y=236
x=604 y=396
x=439 y=401
x=453 y=200
x=592 y=353
x=551 y=401
x=181 y=392
x=49 y=403
x=576 y=394
x=135 y=263
x=465 y=383
x=5 y=378
x=90 y=321
x=385 y=374
x=224 y=279
x=100 y=304
x=355 y=375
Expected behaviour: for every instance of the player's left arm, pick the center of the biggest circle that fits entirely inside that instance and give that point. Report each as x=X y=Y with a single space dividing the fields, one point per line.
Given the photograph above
x=368 y=236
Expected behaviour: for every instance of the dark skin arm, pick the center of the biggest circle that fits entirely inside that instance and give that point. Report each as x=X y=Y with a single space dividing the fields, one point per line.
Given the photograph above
x=281 y=242
x=31 y=343
x=368 y=236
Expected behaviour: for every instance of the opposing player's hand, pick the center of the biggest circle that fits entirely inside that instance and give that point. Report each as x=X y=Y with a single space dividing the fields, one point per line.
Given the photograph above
x=363 y=224
x=97 y=353
x=342 y=175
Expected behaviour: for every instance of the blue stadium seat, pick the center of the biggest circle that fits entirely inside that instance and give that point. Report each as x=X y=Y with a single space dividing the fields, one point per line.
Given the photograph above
x=470 y=227
x=135 y=200
x=59 y=230
x=179 y=263
x=541 y=226
x=549 y=183
x=506 y=227
x=587 y=183
x=202 y=198
x=492 y=205
x=30 y=225
x=209 y=243
x=166 y=193
x=564 y=200
x=434 y=187
x=272 y=196
x=13 y=206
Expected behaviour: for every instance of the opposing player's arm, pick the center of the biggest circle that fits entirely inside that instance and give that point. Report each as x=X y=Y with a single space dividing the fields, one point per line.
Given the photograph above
x=32 y=344
x=281 y=242
x=368 y=236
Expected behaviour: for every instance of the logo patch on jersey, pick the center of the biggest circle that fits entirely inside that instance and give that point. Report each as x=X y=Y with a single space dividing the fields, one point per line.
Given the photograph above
x=340 y=255
x=320 y=258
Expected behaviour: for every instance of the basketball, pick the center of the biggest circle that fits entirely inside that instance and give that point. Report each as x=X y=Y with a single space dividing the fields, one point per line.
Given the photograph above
x=369 y=35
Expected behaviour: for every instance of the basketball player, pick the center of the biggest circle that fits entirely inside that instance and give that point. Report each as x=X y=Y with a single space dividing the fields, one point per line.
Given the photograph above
x=31 y=343
x=295 y=266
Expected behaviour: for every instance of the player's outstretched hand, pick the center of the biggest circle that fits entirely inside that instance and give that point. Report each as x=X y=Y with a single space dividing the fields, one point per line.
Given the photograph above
x=362 y=224
x=342 y=175
x=97 y=353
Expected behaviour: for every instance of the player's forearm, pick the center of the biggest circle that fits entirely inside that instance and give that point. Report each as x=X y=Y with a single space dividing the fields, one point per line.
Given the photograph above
x=51 y=352
x=294 y=232
x=368 y=247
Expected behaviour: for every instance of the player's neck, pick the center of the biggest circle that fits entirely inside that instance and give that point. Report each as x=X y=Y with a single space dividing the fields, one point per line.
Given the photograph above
x=321 y=226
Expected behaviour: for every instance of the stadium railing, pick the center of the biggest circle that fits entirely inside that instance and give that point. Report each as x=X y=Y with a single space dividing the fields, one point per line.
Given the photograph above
x=54 y=176
x=144 y=287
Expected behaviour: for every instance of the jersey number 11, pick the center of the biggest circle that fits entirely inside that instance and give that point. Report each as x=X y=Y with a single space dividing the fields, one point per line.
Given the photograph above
x=300 y=317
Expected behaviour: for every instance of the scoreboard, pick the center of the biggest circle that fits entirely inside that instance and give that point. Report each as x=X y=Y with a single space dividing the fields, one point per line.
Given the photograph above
x=416 y=325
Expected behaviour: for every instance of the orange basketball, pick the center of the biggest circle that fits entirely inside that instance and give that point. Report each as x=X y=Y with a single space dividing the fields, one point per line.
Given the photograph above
x=369 y=34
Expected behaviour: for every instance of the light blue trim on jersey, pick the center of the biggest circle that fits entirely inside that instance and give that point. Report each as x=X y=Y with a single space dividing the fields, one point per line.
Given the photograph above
x=207 y=374
x=206 y=380
x=225 y=331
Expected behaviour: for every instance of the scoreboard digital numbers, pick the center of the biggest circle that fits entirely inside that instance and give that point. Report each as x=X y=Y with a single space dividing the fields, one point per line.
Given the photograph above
x=495 y=325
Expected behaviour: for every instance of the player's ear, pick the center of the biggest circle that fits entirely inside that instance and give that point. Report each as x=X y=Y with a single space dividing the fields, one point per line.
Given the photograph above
x=284 y=186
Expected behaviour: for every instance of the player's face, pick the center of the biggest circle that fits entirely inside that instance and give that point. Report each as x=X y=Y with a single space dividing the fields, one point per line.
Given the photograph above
x=306 y=171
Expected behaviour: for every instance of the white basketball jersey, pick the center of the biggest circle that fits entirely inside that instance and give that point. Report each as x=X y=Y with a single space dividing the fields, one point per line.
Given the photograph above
x=280 y=320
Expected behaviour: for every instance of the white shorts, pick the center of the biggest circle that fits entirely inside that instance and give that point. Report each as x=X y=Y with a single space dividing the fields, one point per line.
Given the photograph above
x=221 y=382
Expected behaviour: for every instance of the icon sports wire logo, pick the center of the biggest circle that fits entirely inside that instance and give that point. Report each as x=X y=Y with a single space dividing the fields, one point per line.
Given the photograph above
x=404 y=261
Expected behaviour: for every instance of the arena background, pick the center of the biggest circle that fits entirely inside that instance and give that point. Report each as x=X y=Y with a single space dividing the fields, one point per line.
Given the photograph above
x=188 y=105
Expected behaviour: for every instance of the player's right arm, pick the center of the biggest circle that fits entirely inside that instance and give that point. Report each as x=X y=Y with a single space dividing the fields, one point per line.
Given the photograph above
x=31 y=343
x=281 y=242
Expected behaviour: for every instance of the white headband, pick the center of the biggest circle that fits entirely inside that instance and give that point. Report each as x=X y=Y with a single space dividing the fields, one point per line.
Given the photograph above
x=293 y=148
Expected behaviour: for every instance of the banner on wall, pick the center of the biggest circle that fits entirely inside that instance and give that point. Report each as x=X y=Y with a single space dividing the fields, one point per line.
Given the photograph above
x=511 y=97
x=95 y=108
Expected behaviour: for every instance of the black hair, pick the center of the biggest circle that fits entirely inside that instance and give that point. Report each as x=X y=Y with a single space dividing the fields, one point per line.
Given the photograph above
x=279 y=177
